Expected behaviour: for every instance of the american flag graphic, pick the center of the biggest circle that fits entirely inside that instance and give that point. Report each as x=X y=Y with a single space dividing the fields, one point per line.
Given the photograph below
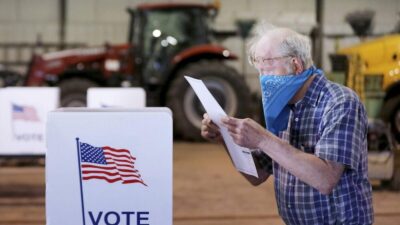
x=27 y=113
x=108 y=164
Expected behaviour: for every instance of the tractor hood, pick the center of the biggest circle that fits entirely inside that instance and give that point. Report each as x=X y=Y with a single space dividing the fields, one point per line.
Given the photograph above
x=78 y=52
x=100 y=51
x=375 y=51
x=386 y=40
x=55 y=63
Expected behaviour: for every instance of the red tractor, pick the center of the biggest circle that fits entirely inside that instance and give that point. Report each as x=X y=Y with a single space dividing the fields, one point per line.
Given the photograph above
x=165 y=42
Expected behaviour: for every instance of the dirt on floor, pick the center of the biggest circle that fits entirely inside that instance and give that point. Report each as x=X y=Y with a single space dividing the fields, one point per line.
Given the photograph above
x=207 y=191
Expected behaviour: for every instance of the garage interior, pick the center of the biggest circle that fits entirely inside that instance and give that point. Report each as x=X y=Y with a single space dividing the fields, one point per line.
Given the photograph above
x=207 y=189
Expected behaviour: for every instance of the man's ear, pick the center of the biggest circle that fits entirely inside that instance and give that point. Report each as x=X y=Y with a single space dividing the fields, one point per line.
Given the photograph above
x=297 y=65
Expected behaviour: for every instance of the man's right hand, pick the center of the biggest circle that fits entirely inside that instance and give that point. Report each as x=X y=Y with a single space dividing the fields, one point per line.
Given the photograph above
x=209 y=130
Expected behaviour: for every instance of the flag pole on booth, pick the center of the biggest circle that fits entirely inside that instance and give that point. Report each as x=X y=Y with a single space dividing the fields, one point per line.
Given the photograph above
x=80 y=179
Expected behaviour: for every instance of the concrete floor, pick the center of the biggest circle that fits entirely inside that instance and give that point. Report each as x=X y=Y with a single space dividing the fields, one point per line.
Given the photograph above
x=207 y=191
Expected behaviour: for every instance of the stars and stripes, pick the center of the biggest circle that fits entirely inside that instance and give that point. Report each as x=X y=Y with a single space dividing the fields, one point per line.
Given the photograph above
x=108 y=164
x=27 y=113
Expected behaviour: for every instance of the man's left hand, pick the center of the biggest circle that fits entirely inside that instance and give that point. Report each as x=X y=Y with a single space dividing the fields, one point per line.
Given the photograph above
x=245 y=132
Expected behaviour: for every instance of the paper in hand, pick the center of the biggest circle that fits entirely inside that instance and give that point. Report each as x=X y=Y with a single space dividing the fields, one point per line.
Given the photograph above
x=241 y=157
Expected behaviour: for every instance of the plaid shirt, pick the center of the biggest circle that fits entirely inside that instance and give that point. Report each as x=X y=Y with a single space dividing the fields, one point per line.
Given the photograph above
x=331 y=123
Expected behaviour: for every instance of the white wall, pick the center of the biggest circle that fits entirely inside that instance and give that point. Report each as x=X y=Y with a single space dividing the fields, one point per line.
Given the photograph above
x=24 y=20
x=97 y=21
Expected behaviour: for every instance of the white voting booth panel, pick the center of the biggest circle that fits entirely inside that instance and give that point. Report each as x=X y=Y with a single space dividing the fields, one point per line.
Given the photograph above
x=23 y=119
x=109 y=166
x=116 y=98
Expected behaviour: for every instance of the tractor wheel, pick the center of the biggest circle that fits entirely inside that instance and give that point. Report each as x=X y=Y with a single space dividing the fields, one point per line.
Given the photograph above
x=73 y=92
x=395 y=181
x=395 y=120
x=10 y=79
x=225 y=84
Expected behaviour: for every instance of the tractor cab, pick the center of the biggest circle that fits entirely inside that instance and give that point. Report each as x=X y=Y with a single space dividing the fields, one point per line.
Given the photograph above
x=160 y=32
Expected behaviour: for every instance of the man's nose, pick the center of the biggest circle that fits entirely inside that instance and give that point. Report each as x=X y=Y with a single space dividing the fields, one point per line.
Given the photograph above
x=264 y=71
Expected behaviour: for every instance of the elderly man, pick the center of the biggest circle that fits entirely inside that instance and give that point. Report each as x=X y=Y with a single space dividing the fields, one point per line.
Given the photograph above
x=315 y=143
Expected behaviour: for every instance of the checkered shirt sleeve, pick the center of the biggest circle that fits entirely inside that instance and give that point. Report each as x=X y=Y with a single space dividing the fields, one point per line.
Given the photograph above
x=343 y=132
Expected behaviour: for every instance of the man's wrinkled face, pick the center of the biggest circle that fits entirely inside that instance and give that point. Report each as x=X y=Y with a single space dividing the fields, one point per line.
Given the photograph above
x=268 y=60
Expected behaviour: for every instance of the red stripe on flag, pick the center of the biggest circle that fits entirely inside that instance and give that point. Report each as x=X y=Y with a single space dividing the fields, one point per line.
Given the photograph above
x=110 y=173
x=111 y=162
x=89 y=166
x=119 y=160
x=134 y=181
x=102 y=178
x=126 y=157
x=119 y=151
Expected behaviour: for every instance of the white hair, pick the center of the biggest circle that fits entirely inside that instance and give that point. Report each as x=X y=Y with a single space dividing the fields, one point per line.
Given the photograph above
x=290 y=42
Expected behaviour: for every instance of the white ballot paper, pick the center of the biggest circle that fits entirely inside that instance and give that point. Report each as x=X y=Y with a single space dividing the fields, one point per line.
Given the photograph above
x=241 y=157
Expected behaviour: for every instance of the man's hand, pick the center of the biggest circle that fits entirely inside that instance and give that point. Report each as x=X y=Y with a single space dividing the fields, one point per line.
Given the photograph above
x=245 y=132
x=209 y=130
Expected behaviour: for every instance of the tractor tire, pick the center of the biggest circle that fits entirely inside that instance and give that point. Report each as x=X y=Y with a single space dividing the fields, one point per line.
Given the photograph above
x=225 y=84
x=395 y=181
x=10 y=79
x=395 y=118
x=73 y=92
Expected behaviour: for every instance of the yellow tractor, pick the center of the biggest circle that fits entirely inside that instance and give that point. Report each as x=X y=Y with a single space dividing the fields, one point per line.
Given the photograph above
x=372 y=69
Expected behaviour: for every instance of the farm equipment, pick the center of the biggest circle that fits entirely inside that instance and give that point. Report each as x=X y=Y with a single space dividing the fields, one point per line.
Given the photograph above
x=165 y=42
x=372 y=69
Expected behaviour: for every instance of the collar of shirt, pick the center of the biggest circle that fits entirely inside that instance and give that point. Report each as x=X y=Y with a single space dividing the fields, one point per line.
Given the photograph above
x=314 y=93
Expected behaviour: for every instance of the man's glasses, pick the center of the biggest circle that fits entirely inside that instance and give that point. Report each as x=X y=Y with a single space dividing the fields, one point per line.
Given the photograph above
x=257 y=61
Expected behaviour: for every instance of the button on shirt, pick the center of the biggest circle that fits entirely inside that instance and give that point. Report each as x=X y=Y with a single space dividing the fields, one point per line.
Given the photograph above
x=331 y=123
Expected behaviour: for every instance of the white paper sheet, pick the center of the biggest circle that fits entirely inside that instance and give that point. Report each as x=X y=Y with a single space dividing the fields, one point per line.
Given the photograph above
x=241 y=157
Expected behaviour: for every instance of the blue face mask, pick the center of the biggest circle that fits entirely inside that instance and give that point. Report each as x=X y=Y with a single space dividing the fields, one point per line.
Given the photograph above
x=277 y=91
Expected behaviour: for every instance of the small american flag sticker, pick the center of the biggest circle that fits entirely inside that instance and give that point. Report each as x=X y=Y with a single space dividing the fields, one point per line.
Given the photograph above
x=26 y=113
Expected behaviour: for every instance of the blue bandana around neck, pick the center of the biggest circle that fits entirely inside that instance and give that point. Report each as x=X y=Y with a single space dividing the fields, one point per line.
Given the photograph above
x=277 y=91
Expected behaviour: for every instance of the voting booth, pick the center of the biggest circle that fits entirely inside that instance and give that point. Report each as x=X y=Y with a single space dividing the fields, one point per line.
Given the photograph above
x=109 y=166
x=23 y=118
x=116 y=98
